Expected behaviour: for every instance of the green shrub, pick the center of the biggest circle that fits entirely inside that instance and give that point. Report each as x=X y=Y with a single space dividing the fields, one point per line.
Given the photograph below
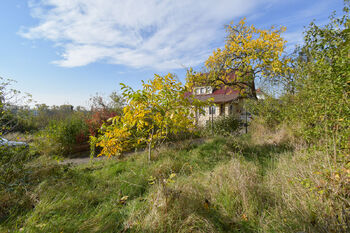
x=25 y=121
x=13 y=181
x=270 y=111
x=63 y=137
x=224 y=125
x=318 y=107
x=20 y=173
x=321 y=105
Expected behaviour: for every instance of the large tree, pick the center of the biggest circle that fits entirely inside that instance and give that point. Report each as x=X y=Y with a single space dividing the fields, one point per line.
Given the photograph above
x=249 y=53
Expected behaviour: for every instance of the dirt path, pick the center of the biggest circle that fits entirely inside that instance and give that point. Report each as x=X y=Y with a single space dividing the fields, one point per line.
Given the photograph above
x=84 y=159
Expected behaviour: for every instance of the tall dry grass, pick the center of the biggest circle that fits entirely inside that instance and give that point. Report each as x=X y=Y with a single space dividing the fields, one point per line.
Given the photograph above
x=272 y=183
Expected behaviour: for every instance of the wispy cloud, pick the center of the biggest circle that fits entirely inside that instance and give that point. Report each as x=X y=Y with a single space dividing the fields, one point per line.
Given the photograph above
x=156 y=34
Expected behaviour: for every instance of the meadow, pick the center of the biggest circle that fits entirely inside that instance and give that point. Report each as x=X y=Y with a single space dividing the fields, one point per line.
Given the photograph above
x=219 y=184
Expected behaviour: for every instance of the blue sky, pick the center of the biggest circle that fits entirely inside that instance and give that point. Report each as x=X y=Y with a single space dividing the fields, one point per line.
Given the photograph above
x=64 y=51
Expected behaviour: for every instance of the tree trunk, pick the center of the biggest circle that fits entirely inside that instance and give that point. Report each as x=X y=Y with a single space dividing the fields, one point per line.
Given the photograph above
x=253 y=90
x=150 y=146
x=149 y=151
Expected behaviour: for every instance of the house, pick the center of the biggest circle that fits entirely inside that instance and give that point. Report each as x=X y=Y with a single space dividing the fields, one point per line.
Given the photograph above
x=226 y=101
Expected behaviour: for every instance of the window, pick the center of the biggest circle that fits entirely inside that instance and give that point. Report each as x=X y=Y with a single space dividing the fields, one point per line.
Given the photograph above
x=208 y=90
x=202 y=90
x=231 y=108
x=222 y=109
x=197 y=91
x=212 y=110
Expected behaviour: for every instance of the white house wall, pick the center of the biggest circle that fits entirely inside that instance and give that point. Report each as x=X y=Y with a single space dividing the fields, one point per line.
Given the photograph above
x=202 y=119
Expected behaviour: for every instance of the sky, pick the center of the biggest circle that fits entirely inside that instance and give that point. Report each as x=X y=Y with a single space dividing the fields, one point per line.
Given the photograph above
x=65 y=51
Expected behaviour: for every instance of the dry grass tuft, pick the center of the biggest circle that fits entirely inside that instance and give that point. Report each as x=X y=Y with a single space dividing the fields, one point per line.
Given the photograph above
x=307 y=199
x=262 y=134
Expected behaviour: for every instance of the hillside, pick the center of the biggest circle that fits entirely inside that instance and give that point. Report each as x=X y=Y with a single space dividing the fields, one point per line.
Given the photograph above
x=220 y=185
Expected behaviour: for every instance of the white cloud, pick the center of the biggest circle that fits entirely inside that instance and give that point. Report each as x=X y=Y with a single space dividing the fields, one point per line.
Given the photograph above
x=137 y=33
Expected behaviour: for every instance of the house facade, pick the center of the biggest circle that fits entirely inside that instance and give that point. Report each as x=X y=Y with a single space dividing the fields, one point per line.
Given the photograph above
x=225 y=102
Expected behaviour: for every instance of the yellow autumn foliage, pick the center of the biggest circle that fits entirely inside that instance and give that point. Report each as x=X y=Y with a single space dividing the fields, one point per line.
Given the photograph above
x=152 y=114
x=249 y=53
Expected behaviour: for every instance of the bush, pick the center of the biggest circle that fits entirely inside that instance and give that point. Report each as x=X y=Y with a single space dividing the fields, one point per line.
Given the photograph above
x=322 y=102
x=21 y=171
x=13 y=181
x=270 y=111
x=97 y=119
x=318 y=107
x=64 y=137
x=224 y=125
x=24 y=121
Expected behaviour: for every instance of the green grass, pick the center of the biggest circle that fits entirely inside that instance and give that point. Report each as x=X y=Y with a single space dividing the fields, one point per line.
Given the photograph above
x=221 y=185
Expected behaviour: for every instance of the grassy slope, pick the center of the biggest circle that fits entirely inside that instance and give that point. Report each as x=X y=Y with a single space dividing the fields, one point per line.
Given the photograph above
x=222 y=185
